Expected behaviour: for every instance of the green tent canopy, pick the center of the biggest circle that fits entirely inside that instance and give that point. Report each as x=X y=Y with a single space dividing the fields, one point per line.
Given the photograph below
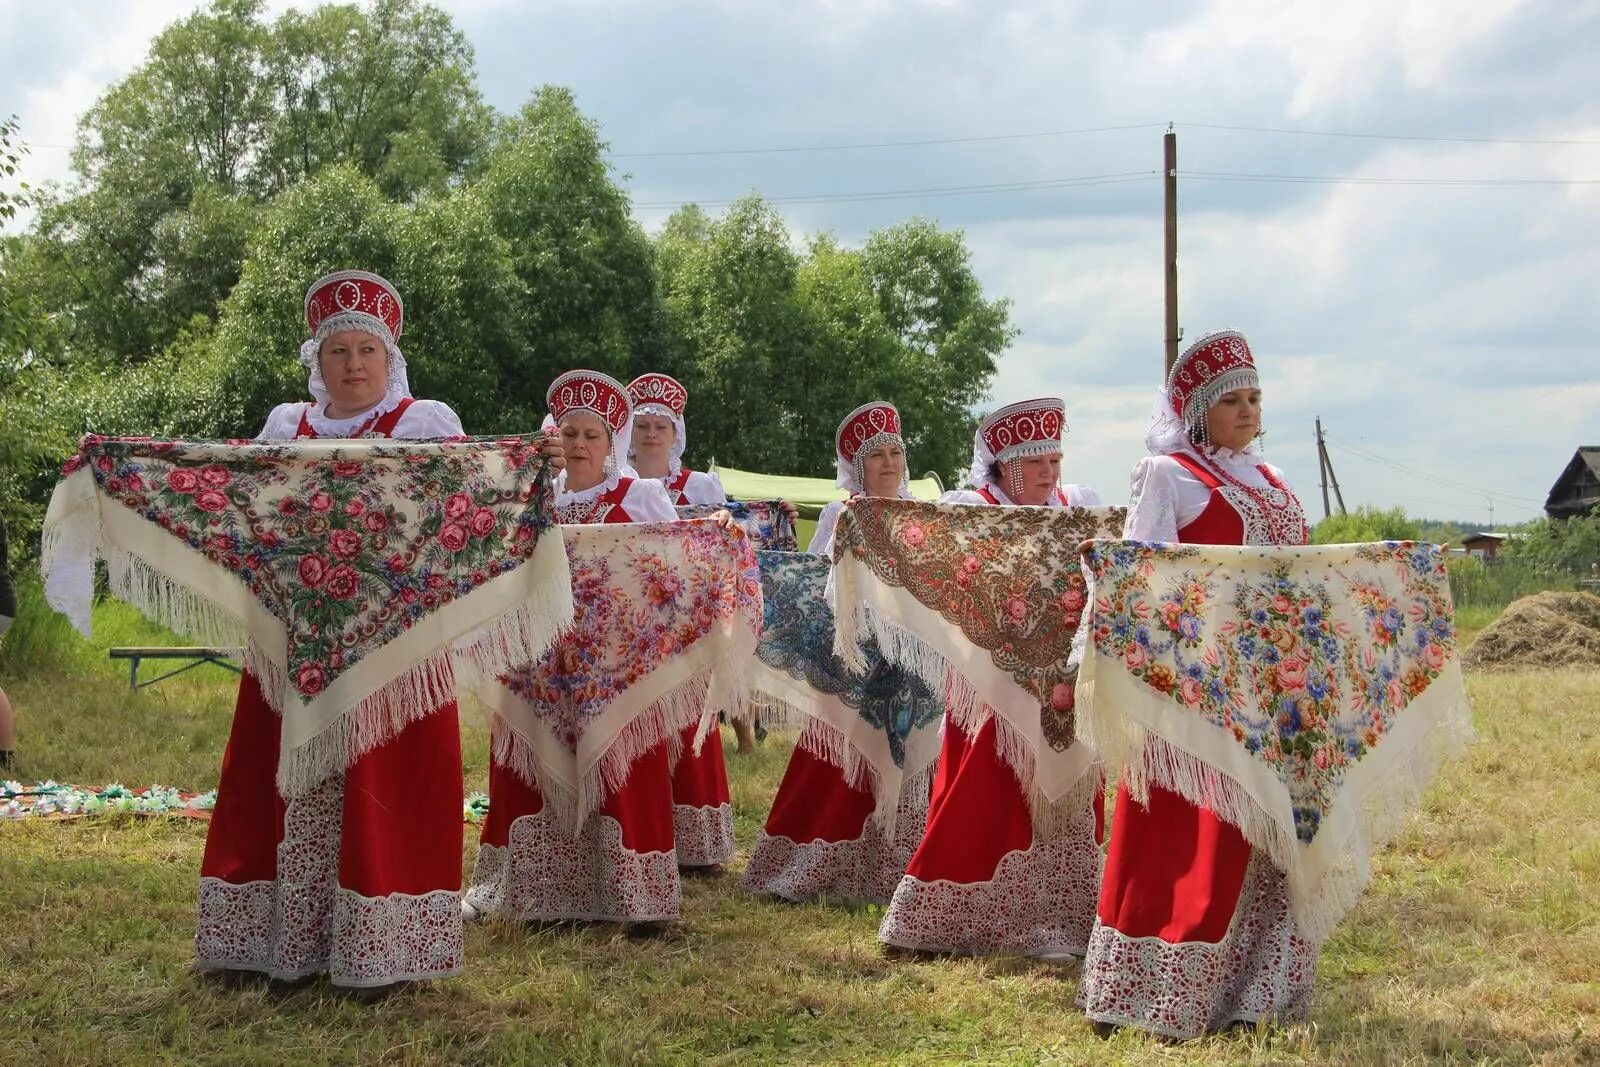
x=808 y=495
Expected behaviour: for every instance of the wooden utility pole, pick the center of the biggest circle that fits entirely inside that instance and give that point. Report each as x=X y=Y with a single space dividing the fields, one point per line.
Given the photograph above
x=1325 y=463
x=1170 y=180
x=1322 y=469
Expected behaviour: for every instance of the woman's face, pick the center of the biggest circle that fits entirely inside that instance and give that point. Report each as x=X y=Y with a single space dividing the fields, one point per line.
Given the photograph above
x=882 y=468
x=586 y=441
x=355 y=368
x=653 y=436
x=1031 y=479
x=1235 y=419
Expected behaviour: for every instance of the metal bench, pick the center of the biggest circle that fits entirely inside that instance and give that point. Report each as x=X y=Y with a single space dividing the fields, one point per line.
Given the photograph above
x=216 y=656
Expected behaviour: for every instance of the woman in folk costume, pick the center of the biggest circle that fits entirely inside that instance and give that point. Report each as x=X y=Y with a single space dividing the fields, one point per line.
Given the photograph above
x=360 y=877
x=821 y=837
x=1194 y=929
x=1016 y=460
x=595 y=418
x=979 y=855
x=659 y=438
x=701 y=809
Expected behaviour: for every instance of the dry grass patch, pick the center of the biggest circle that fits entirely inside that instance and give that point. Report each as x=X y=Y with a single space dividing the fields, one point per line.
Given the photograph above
x=1475 y=944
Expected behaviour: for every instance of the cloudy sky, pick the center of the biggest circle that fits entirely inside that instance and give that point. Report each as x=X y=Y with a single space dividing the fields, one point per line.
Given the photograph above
x=1444 y=326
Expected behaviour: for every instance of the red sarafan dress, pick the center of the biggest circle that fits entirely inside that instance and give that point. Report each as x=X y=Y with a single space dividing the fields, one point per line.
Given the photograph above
x=820 y=838
x=361 y=876
x=622 y=867
x=1194 y=929
x=702 y=810
x=979 y=882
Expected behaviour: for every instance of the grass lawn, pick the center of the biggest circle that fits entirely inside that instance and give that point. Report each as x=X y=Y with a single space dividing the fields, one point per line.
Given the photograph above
x=1478 y=941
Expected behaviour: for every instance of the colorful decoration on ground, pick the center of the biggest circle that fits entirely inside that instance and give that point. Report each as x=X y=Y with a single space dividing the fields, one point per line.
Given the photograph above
x=347 y=569
x=982 y=603
x=1305 y=694
x=50 y=799
x=666 y=620
x=879 y=726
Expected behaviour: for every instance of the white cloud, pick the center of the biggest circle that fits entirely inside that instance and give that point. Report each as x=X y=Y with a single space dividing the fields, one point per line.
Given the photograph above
x=1448 y=329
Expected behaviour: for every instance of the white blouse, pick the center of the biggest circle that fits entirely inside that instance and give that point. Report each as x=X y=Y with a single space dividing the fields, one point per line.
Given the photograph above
x=1166 y=497
x=701 y=488
x=646 y=500
x=424 y=418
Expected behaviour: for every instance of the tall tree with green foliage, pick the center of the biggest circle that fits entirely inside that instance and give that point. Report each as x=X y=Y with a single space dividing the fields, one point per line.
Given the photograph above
x=950 y=335
x=175 y=160
x=741 y=339
x=585 y=293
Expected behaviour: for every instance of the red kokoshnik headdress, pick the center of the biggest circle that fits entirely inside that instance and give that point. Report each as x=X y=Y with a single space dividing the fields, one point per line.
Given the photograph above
x=354 y=300
x=864 y=429
x=662 y=394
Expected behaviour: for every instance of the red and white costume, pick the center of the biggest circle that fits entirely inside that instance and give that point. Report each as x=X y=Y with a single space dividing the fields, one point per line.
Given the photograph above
x=622 y=866
x=979 y=881
x=662 y=394
x=821 y=837
x=360 y=877
x=702 y=810
x=1194 y=928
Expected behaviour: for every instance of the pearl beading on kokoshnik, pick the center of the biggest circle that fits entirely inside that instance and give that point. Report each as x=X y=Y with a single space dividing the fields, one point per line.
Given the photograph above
x=869 y=426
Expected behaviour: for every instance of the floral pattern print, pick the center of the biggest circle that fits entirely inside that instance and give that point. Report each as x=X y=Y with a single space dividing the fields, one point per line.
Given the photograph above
x=797 y=639
x=1304 y=658
x=763 y=521
x=348 y=544
x=641 y=595
x=1008 y=578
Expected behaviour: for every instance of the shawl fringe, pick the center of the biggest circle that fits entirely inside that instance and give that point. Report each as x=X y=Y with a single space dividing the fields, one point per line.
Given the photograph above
x=966 y=711
x=663 y=721
x=504 y=644
x=832 y=747
x=1396 y=775
x=375 y=720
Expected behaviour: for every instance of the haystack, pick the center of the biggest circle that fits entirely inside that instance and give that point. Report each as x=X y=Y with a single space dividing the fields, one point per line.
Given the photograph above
x=1546 y=630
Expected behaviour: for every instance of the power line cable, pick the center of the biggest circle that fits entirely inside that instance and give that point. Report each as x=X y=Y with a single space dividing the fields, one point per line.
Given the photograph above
x=1386 y=136
x=1329 y=179
x=862 y=146
x=1080 y=181
x=1438 y=480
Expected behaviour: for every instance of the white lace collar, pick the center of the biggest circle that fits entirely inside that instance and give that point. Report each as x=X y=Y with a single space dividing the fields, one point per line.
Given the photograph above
x=329 y=427
x=566 y=497
x=1247 y=459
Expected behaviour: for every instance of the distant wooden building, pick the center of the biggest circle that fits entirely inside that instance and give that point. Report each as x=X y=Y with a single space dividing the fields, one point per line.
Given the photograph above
x=1484 y=544
x=1577 y=491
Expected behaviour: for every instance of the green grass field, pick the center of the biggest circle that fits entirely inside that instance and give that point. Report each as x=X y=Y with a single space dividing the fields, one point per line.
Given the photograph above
x=1477 y=942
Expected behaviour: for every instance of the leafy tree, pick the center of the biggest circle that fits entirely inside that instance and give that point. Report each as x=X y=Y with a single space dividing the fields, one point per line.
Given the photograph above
x=174 y=161
x=1367 y=524
x=741 y=339
x=1570 y=546
x=950 y=335
x=586 y=291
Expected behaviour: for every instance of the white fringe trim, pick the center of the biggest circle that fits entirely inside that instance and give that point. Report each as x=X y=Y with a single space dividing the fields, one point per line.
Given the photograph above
x=374 y=721
x=966 y=710
x=663 y=721
x=1326 y=878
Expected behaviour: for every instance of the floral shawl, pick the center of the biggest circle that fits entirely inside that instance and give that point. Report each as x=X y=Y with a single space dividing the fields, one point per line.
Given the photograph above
x=1306 y=695
x=360 y=576
x=665 y=619
x=982 y=603
x=880 y=727
x=763 y=521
